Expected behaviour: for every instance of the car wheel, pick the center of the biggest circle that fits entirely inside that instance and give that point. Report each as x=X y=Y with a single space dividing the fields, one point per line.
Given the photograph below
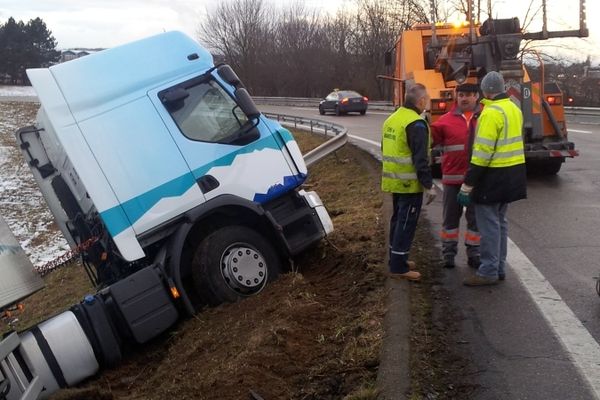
x=363 y=112
x=337 y=111
x=233 y=262
x=321 y=111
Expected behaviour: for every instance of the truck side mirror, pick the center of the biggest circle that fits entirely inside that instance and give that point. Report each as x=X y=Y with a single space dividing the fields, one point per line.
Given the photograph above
x=246 y=103
x=227 y=74
x=173 y=98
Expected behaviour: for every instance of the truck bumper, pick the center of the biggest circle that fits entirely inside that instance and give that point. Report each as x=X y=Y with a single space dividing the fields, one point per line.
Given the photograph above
x=550 y=150
x=314 y=201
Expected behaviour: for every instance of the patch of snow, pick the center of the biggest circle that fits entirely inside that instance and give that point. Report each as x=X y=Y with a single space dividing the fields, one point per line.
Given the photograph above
x=21 y=203
x=17 y=91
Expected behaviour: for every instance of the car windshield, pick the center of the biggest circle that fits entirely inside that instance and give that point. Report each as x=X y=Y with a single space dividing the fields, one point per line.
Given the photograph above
x=349 y=93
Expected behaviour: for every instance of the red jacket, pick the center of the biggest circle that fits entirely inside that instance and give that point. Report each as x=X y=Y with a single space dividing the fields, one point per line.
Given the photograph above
x=455 y=135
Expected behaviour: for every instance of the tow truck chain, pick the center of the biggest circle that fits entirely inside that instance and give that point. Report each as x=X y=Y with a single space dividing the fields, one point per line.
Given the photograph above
x=66 y=257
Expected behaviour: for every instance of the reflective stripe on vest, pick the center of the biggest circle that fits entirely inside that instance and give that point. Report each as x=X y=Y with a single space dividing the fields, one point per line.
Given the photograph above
x=398 y=172
x=453 y=147
x=499 y=144
x=453 y=178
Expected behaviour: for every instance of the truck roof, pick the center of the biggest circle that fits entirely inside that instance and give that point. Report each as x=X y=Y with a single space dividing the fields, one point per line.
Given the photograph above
x=94 y=83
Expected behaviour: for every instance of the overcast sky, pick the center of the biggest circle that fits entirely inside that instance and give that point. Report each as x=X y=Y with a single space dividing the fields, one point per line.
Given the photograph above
x=107 y=23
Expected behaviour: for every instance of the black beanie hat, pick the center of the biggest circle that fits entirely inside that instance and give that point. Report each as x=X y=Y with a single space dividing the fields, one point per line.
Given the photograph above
x=468 y=87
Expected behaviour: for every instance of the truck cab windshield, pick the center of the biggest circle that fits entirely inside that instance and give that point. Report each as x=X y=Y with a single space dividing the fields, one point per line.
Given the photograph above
x=209 y=114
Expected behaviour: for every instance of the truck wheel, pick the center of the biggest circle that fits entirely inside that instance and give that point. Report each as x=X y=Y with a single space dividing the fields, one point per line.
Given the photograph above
x=544 y=167
x=552 y=166
x=233 y=262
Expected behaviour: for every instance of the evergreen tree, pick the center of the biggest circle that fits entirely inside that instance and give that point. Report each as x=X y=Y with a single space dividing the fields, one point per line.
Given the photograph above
x=41 y=44
x=25 y=46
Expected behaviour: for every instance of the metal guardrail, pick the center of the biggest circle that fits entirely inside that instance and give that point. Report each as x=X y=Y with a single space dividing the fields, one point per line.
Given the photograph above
x=340 y=134
x=386 y=105
x=588 y=111
x=313 y=102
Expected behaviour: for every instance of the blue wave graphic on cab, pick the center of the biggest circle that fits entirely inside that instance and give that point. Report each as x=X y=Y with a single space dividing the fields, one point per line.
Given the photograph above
x=121 y=217
x=289 y=182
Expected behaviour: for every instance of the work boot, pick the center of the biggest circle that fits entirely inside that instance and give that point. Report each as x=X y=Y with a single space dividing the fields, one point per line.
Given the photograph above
x=474 y=262
x=477 y=280
x=449 y=262
x=411 y=265
x=410 y=275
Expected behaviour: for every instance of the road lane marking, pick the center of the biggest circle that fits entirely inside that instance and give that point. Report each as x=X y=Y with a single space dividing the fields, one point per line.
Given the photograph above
x=372 y=142
x=581 y=347
x=578 y=131
x=578 y=343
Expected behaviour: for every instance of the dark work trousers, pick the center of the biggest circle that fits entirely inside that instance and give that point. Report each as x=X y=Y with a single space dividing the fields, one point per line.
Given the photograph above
x=407 y=207
x=450 y=229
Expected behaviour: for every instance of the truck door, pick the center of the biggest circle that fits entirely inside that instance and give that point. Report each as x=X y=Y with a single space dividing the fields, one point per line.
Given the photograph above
x=227 y=152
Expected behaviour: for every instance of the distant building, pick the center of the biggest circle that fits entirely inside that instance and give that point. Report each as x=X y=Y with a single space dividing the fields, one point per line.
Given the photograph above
x=591 y=73
x=71 y=54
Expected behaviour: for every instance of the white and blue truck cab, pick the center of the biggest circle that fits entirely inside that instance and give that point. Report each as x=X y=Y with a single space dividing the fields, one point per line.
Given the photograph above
x=160 y=157
x=160 y=170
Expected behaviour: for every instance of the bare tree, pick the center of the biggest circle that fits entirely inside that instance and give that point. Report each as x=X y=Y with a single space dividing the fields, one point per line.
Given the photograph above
x=239 y=30
x=297 y=52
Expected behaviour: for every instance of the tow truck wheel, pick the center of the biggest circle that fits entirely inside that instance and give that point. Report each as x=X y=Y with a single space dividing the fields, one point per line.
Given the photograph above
x=233 y=262
x=544 y=167
x=552 y=166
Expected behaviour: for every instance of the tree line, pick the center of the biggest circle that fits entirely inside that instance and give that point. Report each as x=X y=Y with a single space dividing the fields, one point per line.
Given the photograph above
x=22 y=46
x=299 y=52
x=294 y=51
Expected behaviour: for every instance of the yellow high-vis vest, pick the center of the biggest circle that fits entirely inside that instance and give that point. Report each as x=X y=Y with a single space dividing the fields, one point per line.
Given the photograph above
x=399 y=174
x=499 y=141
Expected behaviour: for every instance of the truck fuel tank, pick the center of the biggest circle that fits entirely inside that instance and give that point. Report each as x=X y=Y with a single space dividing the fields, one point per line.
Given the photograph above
x=18 y=278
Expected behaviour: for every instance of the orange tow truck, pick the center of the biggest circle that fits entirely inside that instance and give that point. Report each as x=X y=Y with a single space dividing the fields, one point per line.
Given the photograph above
x=442 y=56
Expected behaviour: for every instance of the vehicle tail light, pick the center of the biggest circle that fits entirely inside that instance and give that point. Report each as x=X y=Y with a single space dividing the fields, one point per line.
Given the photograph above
x=344 y=100
x=365 y=98
x=553 y=100
x=438 y=106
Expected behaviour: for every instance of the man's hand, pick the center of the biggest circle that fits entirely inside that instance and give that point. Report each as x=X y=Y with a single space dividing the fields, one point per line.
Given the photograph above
x=464 y=196
x=430 y=195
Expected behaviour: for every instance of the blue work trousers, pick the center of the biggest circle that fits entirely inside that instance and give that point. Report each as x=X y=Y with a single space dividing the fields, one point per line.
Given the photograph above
x=407 y=207
x=493 y=228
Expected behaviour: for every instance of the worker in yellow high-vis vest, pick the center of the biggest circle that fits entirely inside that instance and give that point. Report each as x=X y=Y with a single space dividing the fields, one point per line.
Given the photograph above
x=496 y=177
x=406 y=173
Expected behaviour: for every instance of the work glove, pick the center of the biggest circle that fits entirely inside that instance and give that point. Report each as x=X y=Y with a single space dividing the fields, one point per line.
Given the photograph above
x=430 y=195
x=464 y=196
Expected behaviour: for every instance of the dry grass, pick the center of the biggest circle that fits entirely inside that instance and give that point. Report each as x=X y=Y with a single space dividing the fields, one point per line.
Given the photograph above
x=314 y=334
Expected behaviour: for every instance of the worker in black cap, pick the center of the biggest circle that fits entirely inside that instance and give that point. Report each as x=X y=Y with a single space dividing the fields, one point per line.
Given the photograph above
x=454 y=132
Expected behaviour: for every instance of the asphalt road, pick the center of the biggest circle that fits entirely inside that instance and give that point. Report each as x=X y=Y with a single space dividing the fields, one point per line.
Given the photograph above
x=528 y=338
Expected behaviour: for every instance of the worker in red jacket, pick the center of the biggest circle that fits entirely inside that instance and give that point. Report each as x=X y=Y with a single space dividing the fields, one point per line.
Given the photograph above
x=454 y=131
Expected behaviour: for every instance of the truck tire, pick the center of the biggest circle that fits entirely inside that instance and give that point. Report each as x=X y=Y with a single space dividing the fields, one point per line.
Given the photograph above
x=233 y=262
x=547 y=167
x=552 y=166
